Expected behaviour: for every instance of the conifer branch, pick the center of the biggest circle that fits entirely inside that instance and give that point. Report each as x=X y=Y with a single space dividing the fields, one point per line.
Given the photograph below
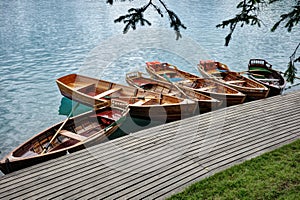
x=136 y=15
x=291 y=70
x=247 y=16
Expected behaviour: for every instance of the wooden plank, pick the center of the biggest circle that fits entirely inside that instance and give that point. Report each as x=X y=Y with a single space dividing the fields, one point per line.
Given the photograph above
x=237 y=81
x=201 y=164
x=162 y=72
x=107 y=92
x=267 y=79
x=72 y=135
x=80 y=86
x=205 y=88
x=141 y=102
x=162 y=159
x=171 y=171
x=177 y=186
x=107 y=183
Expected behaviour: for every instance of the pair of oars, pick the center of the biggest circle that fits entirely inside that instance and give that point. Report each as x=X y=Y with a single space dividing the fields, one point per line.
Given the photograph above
x=167 y=78
x=57 y=132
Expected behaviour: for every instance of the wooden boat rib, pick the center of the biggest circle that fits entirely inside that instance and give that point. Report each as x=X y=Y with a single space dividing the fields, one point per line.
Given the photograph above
x=78 y=132
x=142 y=104
x=207 y=86
x=261 y=71
x=205 y=103
x=221 y=73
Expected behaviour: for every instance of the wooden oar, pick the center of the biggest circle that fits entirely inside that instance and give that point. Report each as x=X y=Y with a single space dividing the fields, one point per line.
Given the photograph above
x=115 y=123
x=249 y=72
x=198 y=78
x=52 y=139
x=129 y=97
x=167 y=78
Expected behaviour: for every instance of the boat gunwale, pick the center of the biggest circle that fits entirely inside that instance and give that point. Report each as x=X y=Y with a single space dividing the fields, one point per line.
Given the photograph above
x=13 y=158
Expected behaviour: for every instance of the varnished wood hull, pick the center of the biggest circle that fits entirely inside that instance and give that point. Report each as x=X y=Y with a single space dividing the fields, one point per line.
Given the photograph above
x=141 y=102
x=167 y=113
x=29 y=153
x=253 y=89
x=227 y=95
x=205 y=102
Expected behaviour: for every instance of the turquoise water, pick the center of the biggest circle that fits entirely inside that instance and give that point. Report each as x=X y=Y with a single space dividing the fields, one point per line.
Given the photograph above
x=43 y=40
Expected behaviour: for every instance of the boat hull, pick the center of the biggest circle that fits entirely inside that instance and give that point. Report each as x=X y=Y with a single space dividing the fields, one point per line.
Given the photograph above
x=225 y=94
x=257 y=91
x=259 y=68
x=166 y=113
x=30 y=152
x=141 y=102
x=273 y=90
x=205 y=102
x=228 y=99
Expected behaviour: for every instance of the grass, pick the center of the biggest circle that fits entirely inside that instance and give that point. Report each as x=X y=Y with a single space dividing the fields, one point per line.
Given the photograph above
x=274 y=175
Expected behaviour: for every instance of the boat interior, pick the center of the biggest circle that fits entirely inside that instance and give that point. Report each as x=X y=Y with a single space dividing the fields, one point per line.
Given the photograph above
x=75 y=130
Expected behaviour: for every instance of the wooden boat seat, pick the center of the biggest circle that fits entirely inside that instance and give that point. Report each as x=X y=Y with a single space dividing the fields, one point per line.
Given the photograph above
x=108 y=92
x=80 y=87
x=165 y=72
x=215 y=72
x=173 y=93
x=206 y=88
x=237 y=81
x=72 y=135
x=141 y=102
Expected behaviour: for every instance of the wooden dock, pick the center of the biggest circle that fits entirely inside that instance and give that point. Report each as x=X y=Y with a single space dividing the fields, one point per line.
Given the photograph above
x=161 y=161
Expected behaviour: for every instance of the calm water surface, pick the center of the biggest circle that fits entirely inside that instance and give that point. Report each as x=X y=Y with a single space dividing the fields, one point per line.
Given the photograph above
x=43 y=40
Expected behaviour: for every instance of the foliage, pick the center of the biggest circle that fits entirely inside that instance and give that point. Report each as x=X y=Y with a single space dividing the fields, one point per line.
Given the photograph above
x=274 y=175
x=249 y=15
x=136 y=16
x=291 y=71
x=292 y=19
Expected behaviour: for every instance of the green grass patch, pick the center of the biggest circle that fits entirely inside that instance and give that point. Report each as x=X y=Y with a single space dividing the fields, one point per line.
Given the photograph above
x=274 y=175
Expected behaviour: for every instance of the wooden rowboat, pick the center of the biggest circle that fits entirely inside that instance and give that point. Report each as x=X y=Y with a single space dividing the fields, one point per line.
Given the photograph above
x=205 y=103
x=261 y=71
x=142 y=103
x=221 y=73
x=207 y=86
x=75 y=133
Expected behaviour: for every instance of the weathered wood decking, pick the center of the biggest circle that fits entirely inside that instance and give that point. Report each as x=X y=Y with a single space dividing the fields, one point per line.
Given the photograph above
x=161 y=161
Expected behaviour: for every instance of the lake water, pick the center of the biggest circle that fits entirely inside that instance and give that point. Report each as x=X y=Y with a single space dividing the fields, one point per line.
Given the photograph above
x=43 y=40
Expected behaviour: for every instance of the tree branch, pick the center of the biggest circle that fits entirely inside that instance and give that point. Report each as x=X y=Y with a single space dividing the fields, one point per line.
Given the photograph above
x=248 y=16
x=136 y=15
x=291 y=71
x=175 y=21
x=292 y=19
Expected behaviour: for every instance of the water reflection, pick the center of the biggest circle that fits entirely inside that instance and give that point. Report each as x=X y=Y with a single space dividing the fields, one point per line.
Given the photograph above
x=130 y=125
